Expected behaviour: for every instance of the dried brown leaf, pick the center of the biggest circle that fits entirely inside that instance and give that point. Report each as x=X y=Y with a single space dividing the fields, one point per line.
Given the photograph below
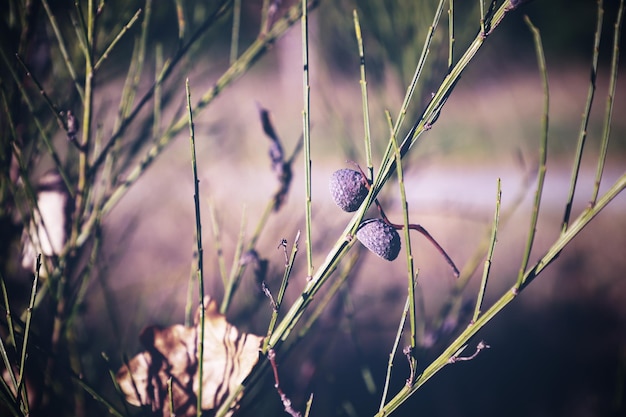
x=229 y=356
x=172 y=352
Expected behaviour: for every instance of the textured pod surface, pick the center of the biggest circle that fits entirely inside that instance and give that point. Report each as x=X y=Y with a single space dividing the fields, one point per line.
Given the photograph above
x=380 y=238
x=348 y=188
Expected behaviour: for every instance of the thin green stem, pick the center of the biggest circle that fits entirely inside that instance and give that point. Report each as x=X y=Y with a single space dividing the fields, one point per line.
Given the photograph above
x=12 y=132
x=348 y=312
x=394 y=350
x=454 y=302
x=85 y=30
x=83 y=185
x=309 y=405
x=80 y=30
x=492 y=246
x=451 y=39
x=582 y=136
x=196 y=198
x=143 y=40
x=217 y=242
x=306 y=126
x=9 y=317
x=281 y=292
x=323 y=304
x=189 y=305
x=63 y=49
x=269 y=208
x=608 y=113
x=236 y=270
x=116 y=385
x=322 y=274
x=85 y=274
x=481 y=4
x=420 y=308
x=71 y=333
x=24 y=355
x=115 y=40
x=5 y=389
x=543 y=149
x=109 y=174
x=265 y=16
x=53 y=108
x=585 y=217
x=234 y=40
x=99 y=398
x=239 y=267
x=10 y=403
x=127 y=97
x=287 y=274
x=409 y=252
x=158 y=64
x=416 y=75
x=3 y=352
x=40 y=128
x=131 y=85
x=364 y=99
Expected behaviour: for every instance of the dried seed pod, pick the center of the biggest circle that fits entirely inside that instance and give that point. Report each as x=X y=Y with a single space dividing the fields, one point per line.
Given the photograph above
x=348 y=188
x=380 y=238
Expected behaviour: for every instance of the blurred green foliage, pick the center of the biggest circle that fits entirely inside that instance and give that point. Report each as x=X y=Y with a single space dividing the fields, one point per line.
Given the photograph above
x=394 y=32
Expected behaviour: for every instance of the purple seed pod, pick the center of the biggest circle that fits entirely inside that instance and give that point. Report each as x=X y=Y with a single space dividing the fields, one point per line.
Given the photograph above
x=348 y=188
x=380 y=238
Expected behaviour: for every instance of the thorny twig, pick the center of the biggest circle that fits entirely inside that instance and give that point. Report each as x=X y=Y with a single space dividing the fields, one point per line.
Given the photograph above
x=408 y=352
x=268 y=294
x=271 y=356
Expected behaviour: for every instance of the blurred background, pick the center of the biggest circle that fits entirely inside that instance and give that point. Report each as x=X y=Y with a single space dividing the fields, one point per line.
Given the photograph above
x=559 y=349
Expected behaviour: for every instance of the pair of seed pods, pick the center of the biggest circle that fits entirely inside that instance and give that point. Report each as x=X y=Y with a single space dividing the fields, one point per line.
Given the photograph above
x=349 y=188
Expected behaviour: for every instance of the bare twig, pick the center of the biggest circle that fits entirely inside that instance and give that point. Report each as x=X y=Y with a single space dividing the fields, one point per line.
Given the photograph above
x=271 y=356
x=481 y=345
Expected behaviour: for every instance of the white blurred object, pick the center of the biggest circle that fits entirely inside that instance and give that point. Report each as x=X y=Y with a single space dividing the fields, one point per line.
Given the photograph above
x=47 y=230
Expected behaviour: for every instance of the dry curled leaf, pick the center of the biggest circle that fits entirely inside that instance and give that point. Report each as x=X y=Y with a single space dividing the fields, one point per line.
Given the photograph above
x=276 y=150
x=280 y=166
x=172 y=352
